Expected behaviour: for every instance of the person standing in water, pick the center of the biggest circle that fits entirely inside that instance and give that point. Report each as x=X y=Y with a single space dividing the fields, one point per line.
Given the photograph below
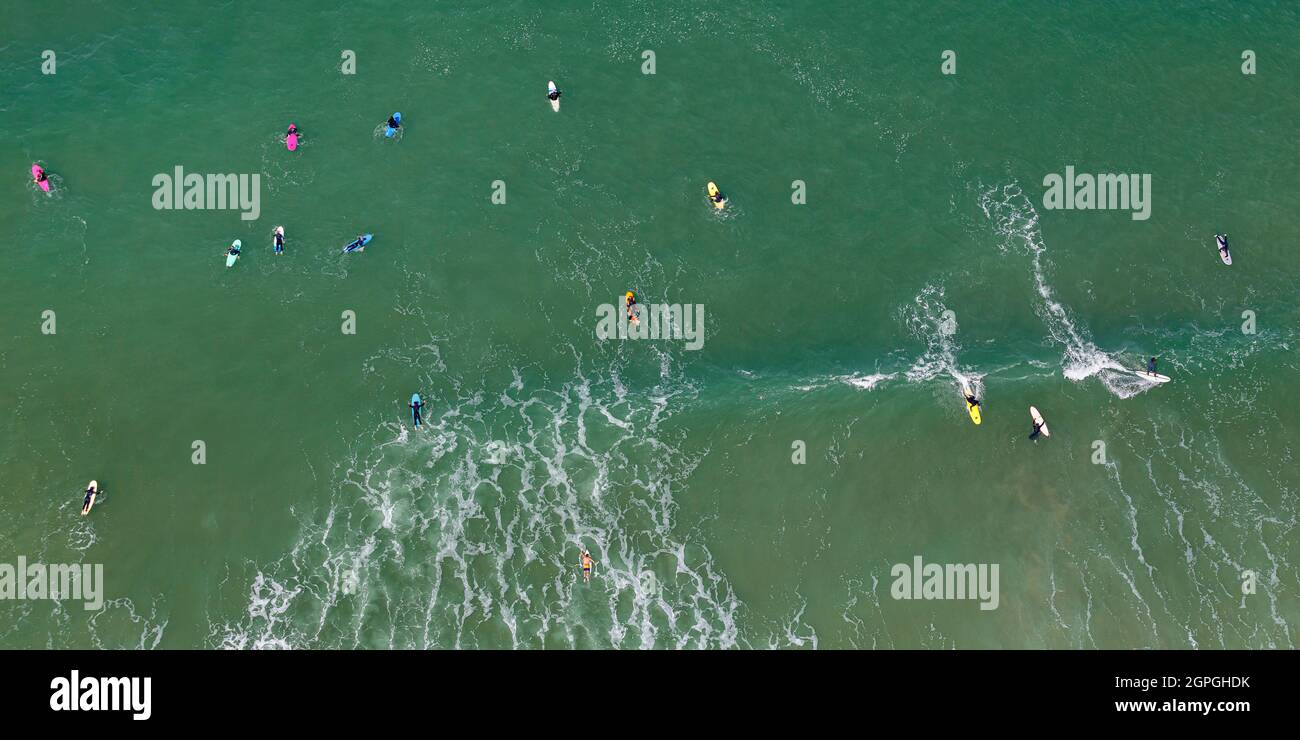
x=1038 y=430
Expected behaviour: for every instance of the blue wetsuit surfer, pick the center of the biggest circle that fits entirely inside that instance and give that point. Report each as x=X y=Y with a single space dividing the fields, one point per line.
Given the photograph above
x=1151 y=366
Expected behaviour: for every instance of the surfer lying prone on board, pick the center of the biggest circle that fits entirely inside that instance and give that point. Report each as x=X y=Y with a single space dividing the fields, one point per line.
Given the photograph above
x=632 y=310
x=587 y=562
x=89 y=500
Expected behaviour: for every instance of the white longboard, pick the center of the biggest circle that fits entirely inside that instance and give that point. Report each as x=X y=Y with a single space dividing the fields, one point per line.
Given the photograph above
x=1225 y=253
x=550 y=88
x=232 y=258
x=94 y=487
x=278 y=230
x=1038 y=419
x=1157 y=378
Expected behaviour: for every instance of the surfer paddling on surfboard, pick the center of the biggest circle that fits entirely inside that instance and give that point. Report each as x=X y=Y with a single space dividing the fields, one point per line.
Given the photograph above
x=232 y=252
x=40 y=178
x=632 y=310
x=715 y=196
x=1222 y=241
x=416 y=404
x=92 y=491
x=587 y=564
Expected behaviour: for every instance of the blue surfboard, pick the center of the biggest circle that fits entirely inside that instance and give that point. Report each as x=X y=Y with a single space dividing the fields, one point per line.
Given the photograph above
x=415 y=400
x=359 y=243
x=389 y=130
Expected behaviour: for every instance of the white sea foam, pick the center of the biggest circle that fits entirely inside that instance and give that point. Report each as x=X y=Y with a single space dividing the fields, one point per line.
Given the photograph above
x=428 y=544
x=1016 y=221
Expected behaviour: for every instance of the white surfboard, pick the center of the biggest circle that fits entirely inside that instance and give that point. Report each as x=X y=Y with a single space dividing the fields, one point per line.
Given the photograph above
x=550 y=88
x=232 y=258
x=94 y=489
x=1038 y=419
x=1221 y=243
x=278 y=230
x=1157 y=378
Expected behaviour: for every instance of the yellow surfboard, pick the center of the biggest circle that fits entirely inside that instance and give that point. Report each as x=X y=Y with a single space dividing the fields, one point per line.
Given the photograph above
x=713 y=192
x=970 y=407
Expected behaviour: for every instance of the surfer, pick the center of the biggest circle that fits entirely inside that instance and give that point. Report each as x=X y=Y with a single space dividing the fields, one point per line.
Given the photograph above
x=1038 y=429
x=293 y=129
x=587 y=563
x=972 y=400
x=393 y=123
x=553 y=95
x=1151 y=366
x=1222 y=239
x=416 y=404
x=632 y=310
x=38 y=174
x=89 y=501
x=279 y=241
x=717 y=197
x=232 y=251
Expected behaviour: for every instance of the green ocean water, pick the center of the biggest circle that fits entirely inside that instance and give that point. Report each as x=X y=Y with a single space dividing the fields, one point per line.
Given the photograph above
x=321 y=519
